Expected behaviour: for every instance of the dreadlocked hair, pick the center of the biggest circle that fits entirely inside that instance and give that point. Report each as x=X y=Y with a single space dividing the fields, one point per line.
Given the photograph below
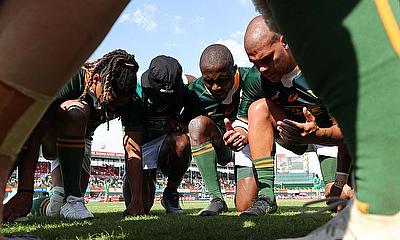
x=118 y=73
x=117 y=70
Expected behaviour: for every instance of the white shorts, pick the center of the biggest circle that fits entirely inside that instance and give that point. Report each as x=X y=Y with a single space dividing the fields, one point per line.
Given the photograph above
x=151 y=152
x=242 y=158
x=86 y=158
x=329 y=151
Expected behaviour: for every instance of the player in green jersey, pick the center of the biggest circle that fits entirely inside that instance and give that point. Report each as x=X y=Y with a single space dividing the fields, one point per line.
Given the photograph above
x=224 y=92
x=154 y=138
x=361 y=40
x=290 y=110
x=96 y=94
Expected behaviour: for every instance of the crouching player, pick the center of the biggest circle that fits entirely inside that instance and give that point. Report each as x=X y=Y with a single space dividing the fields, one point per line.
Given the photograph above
x=96 y=94
x=223 y=91
x=153 y=138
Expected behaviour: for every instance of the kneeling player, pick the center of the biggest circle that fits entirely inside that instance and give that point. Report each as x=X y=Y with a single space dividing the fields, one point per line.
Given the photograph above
x=154 y=139
x=223 y=91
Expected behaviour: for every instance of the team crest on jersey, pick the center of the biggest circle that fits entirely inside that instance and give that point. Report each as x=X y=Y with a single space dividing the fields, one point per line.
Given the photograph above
x=276 y=96
x=293 y=97
x=229 y=110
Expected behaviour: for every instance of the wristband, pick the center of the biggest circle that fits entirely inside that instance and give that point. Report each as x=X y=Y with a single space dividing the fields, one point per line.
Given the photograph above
x=340 y=179
x=25 y=190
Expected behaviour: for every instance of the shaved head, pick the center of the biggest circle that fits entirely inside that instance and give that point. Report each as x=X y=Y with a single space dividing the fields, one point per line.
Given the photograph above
x=216 y=56
x=268 y=50
x=258 y=30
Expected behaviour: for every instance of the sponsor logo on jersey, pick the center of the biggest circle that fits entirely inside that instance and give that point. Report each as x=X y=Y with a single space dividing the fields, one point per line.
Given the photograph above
x=293 y=97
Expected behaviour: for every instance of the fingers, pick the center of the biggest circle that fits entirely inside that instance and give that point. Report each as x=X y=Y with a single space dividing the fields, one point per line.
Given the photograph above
x=289 y=134
x=307 y=114
x=227 y=135
x=290 y=126
x=233 y=138
x=228 y=124
x=10 y=216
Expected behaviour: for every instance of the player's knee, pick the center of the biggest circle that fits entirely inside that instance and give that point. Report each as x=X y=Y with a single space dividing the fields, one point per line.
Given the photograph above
x=198 y=126
x=259 y=110
x=74 y=113
x=182 y=145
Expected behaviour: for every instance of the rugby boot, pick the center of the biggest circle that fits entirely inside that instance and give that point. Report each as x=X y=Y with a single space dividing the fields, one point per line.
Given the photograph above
x=74 y=208
x=215 y=207
x=263 y=205
x=56 y=201
x=170 y=201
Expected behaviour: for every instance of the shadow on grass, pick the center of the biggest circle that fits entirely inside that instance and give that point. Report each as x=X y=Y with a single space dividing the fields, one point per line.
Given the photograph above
x=287 y=222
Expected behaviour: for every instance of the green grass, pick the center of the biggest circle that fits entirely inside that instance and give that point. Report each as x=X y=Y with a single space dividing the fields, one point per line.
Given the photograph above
x=109 y=224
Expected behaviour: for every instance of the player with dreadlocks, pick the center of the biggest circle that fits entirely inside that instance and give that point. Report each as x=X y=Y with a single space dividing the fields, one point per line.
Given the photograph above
x=96 y=94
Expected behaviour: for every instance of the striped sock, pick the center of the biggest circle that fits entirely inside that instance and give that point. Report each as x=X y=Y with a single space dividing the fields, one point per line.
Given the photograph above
x=265 y=176
x=206 y=160
x=71 y=151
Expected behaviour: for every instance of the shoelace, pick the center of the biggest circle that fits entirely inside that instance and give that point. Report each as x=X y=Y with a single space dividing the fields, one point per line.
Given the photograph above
x=333 y=202
x=78 y=207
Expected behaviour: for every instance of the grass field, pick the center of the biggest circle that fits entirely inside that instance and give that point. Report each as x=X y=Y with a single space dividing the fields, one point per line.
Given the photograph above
x=109 y=224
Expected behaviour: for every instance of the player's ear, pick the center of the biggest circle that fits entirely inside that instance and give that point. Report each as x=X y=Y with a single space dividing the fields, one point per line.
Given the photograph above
x=283 y=41
x=96 y=78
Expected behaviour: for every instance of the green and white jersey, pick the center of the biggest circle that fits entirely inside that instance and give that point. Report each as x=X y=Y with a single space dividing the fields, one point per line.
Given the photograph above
x=292 y=93
x=73 y=90
x=145 y=116
x=246 y=89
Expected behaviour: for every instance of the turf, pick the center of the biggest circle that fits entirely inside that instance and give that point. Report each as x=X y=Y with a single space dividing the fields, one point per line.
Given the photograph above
x=109 y=224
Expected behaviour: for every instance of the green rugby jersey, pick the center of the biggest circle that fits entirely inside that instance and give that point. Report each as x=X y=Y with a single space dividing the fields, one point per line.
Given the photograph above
x=246 y=89
x=73 y=90
x=292 y=94
x=145 y=116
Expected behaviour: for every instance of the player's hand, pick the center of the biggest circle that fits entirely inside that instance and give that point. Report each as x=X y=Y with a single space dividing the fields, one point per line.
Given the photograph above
x=18 y=206
x=332 y=190
x=235 y=140
x=298 y=133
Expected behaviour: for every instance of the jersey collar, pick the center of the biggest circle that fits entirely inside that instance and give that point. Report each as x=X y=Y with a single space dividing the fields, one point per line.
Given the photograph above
x=234 y=88
x=287 y=79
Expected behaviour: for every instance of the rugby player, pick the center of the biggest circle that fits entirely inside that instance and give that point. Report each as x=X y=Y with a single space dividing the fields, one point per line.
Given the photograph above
x=361 y=40
x=96 y=94
x=224 y=93
x=154 y=138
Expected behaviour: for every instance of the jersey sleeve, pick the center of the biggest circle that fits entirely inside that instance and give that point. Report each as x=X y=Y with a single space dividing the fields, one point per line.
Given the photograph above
x=251 y=90
x=74 y=88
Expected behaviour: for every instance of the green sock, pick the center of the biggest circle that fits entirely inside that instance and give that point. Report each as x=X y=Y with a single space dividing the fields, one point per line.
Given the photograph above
x=70 y=152
x=206 y=160
x=39 y=206
x=328 y=168
x=265 y=176
x=243 y=172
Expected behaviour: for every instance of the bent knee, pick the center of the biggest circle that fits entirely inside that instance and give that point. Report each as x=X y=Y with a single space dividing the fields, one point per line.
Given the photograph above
x=200 y=127
x=182 y=143
x=73 y=111
x=259 y=109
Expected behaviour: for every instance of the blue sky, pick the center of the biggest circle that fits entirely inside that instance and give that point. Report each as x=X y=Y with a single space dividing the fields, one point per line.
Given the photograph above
x=181 y=29
x=178 y=28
